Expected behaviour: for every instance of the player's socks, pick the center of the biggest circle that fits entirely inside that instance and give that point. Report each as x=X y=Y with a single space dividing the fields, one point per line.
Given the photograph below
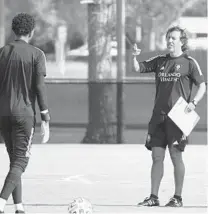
x=154 y=196
x=2 y=205
x=178 y=197
x=19 y=207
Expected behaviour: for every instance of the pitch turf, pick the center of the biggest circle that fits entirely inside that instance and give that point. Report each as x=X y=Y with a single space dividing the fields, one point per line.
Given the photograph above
x=113 y=177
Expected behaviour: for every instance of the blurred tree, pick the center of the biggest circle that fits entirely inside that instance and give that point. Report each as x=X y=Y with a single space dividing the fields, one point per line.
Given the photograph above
x=199 y=9
x=49 y=14
x=10 y=11
x=2 y=20
x=47 y=22
x=52 y=13
x=157 y=15
x=101 y=125
x=75 y=15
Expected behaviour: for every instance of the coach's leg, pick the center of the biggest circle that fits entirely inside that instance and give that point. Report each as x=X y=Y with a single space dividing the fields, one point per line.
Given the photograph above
x=157 y=170
x=179 y=169
x=175 y=138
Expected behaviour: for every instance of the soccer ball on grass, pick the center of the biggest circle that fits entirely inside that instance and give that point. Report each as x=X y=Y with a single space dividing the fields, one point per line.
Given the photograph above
x=80 y=206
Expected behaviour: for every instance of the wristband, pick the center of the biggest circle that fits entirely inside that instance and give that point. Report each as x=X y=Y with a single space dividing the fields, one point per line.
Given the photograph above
x=45 y=116
x=194 y=102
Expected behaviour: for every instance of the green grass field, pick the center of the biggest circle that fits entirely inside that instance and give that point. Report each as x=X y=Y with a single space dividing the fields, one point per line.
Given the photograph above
x=113 y=177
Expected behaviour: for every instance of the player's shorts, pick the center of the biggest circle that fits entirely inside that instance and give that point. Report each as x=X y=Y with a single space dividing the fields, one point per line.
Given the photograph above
x=167 y=134
x=17 y=133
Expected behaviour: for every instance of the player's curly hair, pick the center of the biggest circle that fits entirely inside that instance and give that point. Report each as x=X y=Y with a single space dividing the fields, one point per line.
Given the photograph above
x=184 y=37
x=23 y=24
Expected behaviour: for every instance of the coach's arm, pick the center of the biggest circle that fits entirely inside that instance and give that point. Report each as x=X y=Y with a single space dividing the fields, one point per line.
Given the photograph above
x=136 y=52
x=136 y=64
x=200 y=92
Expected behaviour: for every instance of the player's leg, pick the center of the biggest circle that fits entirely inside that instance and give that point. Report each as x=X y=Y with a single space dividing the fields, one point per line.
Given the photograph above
x=23 y=129
x=176 y=147
x=6 y=132
x=17 y=197
x=158 y=145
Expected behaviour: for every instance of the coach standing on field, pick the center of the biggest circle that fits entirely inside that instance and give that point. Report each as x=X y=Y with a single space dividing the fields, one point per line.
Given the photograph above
x=22 y=72
x=175 y=74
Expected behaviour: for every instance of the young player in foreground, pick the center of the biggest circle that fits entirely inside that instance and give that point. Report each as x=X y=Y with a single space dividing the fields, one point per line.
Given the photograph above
x=22 y=72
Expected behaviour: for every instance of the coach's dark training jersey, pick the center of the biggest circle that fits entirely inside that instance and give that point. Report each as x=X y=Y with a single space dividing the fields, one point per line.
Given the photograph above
x=22 y=71
x=175 y=77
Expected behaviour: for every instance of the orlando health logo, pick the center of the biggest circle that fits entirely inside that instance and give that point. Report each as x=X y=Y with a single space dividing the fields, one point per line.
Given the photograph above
x=170 y=77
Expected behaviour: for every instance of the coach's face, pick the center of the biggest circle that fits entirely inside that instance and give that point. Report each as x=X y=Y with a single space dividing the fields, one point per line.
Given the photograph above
x=174 y=43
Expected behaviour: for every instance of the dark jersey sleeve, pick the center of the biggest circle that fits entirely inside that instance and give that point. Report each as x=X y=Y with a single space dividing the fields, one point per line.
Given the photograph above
x=40 y=73
x=149 y=65
x=195 y=72
x=40 y=64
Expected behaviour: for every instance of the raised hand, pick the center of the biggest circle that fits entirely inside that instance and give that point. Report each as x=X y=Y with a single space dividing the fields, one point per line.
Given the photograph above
x=136 y=50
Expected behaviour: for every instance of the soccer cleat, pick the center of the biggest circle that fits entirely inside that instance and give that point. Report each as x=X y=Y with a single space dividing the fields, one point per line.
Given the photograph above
x=149 y=202
x=19 y=211
x=174 y=202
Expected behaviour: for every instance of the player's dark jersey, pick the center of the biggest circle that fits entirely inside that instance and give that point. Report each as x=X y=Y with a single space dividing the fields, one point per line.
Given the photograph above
x=22 y=71
x=175 y=77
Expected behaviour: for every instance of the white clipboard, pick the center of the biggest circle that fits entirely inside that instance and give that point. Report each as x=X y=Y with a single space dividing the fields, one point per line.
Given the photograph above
x=185 y=121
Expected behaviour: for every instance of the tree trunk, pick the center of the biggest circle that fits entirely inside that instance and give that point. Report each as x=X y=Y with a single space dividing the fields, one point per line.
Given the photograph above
x=2 y=24
x=2 y=35
x=101 y=126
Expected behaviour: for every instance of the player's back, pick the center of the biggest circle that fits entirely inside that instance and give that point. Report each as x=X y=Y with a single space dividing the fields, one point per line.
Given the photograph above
x=17 y=78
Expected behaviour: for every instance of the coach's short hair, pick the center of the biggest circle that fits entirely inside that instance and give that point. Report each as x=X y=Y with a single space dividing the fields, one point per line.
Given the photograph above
x=23 y=24
x=183 y=37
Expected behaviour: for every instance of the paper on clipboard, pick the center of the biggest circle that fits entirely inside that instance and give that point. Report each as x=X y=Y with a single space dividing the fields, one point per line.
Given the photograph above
x=185 y=121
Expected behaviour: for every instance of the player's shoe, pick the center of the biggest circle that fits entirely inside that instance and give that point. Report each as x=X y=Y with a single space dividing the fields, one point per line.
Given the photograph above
x=19 y=211
x=174 y=202
x=1 y=211
x=149 y=202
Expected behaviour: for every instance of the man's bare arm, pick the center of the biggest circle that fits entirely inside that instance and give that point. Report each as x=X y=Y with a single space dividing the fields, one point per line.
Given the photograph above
x=136 y=52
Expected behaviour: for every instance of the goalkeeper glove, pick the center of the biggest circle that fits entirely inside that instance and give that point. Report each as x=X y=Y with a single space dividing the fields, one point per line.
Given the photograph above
x=45 y=129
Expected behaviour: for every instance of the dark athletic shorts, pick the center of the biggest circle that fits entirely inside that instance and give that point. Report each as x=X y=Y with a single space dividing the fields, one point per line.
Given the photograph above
x=166 y=134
